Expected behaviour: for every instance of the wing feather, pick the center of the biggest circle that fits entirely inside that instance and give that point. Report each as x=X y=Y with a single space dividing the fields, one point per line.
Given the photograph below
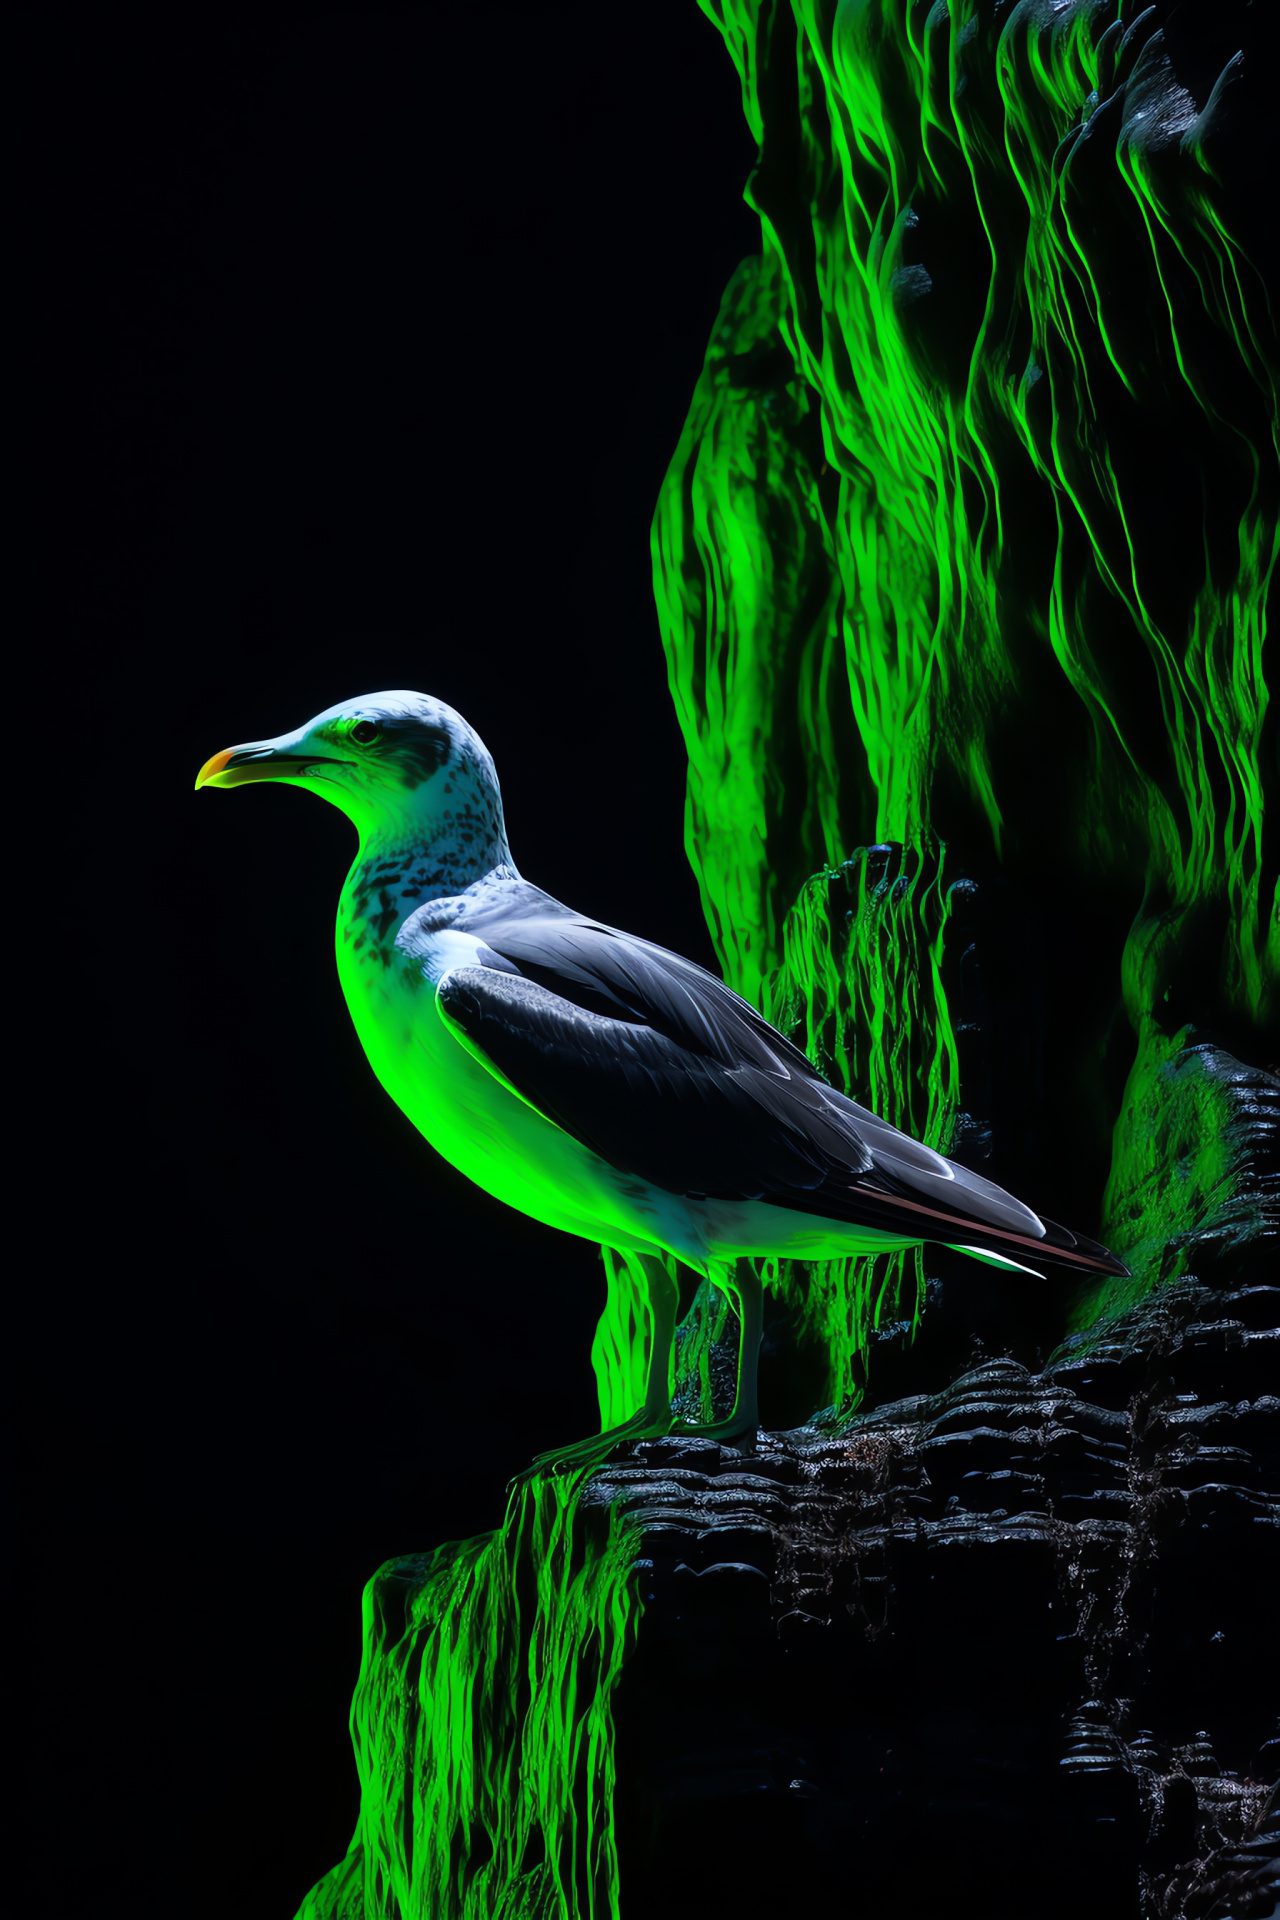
x=668 y=1074
x=644 y=1103
x=698 y=1012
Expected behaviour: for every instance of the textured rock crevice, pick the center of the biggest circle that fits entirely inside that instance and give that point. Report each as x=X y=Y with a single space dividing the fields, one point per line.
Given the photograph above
x=1014 y=1639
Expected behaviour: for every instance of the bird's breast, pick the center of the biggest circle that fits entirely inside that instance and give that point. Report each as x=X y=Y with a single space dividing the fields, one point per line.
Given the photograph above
x=467 y=1114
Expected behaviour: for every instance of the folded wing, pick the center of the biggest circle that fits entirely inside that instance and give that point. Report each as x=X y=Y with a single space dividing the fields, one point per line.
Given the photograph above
x=663 y=1112
x=668 y=1075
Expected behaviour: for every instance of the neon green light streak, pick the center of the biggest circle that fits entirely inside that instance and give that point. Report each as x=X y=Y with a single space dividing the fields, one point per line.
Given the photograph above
x=481 y=1723
x=861 y=990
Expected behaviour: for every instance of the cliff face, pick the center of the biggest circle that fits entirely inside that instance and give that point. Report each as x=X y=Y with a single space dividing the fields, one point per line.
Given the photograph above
x=1007 y=1648
x=1010 y=1645
x=974 y=516
x=962 y=567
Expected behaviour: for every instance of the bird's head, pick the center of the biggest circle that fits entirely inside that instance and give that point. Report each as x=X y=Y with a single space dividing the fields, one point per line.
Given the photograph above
x=398 y=764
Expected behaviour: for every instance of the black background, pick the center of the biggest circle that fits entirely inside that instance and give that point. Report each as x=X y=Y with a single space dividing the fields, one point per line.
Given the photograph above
x=363 y=342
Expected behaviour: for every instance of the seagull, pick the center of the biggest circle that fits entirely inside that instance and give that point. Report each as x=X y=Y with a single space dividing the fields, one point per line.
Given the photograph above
x=594 y=1080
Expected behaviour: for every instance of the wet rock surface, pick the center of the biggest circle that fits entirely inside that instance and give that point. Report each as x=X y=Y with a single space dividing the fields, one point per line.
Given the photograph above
x=1012 y=1644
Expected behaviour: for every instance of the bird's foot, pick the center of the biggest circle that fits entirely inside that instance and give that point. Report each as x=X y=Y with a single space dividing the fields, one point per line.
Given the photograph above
x=595 y=1449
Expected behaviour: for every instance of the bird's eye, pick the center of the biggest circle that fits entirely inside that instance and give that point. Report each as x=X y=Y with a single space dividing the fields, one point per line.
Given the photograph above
x=364 y=733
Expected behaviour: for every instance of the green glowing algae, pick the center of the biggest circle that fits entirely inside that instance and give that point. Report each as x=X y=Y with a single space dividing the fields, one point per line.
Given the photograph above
x=910 y=579
x=481 y=1722
x=744 y=577
x=1185 y=1181
x=861 y=986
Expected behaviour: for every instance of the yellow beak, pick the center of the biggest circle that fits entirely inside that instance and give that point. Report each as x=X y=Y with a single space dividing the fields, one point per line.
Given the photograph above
x=211 y=773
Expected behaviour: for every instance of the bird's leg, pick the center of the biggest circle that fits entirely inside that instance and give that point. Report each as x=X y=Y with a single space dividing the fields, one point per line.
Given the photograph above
x=653 y=1419
x=748 y=1297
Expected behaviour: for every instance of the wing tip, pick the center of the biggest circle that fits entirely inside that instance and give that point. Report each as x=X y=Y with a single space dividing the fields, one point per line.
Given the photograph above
x=1081 y=1251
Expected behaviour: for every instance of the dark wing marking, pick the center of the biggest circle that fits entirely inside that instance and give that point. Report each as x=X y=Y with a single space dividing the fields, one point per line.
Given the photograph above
x=666 y=1072
x=593 y=966
x=650 y=1107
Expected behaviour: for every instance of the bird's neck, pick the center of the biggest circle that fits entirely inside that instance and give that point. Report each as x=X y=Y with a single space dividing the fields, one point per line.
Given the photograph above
x=400 y=868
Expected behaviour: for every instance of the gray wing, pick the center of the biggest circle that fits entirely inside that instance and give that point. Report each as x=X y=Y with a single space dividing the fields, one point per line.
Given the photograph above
x=668 y=1074
x=668 y=1114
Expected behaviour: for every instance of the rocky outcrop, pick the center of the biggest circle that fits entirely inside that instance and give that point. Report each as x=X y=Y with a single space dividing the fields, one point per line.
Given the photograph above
x=1007 y=1648
x=1012 y=1643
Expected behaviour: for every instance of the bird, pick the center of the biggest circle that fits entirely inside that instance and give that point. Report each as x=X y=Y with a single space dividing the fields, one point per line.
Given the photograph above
x=592 y=1079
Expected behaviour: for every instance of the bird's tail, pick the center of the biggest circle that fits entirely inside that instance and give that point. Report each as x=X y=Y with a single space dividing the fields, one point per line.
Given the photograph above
x=981 y=1240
